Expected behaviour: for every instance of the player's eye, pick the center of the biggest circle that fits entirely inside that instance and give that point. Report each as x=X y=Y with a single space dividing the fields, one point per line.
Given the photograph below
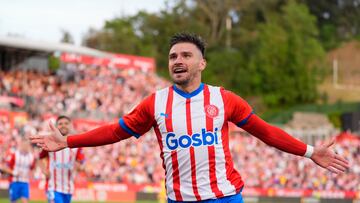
x=187 y=55
x=172 y=56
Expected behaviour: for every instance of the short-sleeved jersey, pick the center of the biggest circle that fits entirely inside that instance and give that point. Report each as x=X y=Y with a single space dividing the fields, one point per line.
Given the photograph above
x=61 y=165
x=192 y=132
x=21 y=164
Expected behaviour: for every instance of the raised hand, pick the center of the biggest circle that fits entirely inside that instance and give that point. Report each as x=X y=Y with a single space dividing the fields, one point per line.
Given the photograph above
x=326 y=158
x=50 y=141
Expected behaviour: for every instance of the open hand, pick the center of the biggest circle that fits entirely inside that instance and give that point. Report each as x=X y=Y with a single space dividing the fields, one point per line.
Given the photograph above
x=326 y=158
x=50 y=141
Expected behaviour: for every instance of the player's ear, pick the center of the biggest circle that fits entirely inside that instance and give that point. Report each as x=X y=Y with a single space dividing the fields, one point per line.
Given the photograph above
x=202 y=64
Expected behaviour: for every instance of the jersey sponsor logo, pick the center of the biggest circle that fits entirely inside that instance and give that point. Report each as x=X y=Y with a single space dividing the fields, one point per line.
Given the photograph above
x=211 y=111
x=206 y=138
x=62 y=165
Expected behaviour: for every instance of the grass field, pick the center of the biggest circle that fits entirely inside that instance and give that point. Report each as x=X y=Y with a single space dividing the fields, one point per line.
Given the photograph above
x=7 y=201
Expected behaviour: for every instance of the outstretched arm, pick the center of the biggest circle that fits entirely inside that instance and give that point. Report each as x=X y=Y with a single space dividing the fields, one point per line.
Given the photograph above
x=54 y=141
x=273 y=136
x=140 y=118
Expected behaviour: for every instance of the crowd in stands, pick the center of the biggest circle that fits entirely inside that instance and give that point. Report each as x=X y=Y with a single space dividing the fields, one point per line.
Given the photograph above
x=81 y=91
x=106 y=93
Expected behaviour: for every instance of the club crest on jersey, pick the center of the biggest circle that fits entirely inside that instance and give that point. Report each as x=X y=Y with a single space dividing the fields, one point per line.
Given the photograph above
x=206 y=138
x=211 y=111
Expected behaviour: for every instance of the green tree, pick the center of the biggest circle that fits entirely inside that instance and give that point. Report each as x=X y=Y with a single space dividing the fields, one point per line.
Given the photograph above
x=274 y=51
x=287 y=57
x=54 y=63
x=66 y=37
x=338 y=20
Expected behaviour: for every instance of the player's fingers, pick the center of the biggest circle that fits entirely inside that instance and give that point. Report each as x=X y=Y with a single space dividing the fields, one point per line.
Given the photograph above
x=342 y=160
x=34 y=137
x=37 y=141
x=43 y=146
x=338 y=167
x=330 y=143
x=40 y=145
x=331 y=169
x=52 y=126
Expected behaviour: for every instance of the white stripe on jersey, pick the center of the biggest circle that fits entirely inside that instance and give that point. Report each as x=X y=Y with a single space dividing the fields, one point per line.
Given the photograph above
x=61 y=166
x=22 y=166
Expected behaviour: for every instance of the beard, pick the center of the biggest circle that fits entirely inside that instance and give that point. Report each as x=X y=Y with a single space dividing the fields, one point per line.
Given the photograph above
x=182 y=81
x=64 y=132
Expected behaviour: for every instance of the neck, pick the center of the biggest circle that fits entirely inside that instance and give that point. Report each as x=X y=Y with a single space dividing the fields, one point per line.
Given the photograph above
x=188 y=88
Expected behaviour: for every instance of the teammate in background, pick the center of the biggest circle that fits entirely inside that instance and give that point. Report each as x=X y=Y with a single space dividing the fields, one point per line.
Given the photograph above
x=190 y=120
x=19 y=165
x=59 y=167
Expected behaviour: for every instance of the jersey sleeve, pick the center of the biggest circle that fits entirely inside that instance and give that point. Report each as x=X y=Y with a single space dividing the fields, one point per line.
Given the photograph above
x=10 y=160
x=140 y=119
x=80 y=157
x=237 y=110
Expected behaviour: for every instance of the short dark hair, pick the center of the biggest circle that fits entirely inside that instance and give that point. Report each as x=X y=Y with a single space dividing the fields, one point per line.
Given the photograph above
x=188 y=37
x=62 y=117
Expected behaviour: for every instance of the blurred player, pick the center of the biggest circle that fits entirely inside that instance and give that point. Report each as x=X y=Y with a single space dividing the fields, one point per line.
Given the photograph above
x=59 y=167
x=19 y=165
x=190 y=120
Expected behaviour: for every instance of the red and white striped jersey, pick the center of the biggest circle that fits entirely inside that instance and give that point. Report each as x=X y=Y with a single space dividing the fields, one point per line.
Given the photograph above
x=192 y=131
x=21 y=164
x=61 y=165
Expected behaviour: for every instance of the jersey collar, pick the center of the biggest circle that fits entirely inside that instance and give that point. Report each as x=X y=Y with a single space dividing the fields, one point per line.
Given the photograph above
x=191 y=94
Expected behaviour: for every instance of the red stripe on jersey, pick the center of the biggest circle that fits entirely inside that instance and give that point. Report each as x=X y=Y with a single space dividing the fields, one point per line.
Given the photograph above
x=169 y=128
x=176 y=176
x=63 y=169
x=168 y=117
x=55 y=171
x=231 y=174
x=69 y=172
x=47 y=170
x=158 y=136
x=192 y=153
x=11 y=164
x=211 y=149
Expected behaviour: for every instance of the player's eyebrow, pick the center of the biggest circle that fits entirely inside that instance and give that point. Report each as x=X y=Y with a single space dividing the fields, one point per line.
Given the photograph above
x=171 y=55
x=181 y=53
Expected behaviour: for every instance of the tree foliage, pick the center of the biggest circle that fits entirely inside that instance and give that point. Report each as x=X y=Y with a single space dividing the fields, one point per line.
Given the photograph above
x=338 y=20
x=271 y=49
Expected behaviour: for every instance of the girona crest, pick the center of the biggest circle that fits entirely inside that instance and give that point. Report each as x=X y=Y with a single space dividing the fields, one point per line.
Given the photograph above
x=211 y=111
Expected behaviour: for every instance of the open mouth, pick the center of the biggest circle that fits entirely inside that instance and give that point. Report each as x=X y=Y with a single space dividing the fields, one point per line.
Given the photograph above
x=179 y=70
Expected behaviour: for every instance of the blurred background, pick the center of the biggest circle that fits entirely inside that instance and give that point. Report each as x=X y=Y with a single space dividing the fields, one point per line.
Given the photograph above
x=297 y=62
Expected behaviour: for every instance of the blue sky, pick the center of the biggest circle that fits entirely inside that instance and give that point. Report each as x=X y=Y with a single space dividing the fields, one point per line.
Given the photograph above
x=44 y=19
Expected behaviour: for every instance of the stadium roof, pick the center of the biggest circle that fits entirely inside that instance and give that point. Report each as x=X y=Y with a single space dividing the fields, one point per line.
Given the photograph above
x=21 y=43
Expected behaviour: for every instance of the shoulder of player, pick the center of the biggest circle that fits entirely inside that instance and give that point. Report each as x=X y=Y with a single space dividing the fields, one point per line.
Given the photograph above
x=163 y=90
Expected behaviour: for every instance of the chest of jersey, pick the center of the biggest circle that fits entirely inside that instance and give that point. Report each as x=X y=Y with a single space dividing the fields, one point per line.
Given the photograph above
x=190 y=122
